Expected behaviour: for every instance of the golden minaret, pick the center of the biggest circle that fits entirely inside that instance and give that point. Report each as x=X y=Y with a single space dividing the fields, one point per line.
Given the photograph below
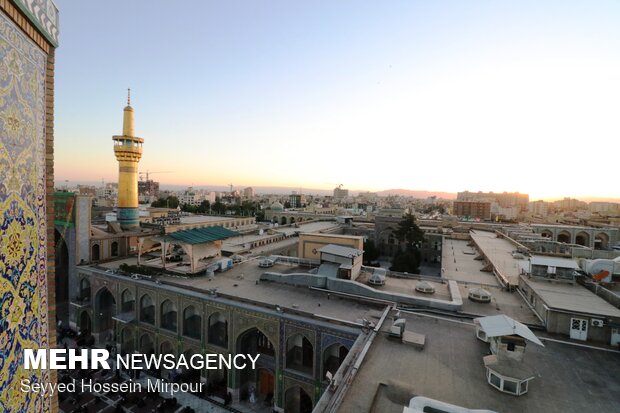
x=128 y=151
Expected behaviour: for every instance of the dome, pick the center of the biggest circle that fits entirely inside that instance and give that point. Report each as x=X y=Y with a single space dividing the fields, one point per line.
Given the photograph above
x=424 y=287
x=377 y=277
x=480 y=295
x=276 y=206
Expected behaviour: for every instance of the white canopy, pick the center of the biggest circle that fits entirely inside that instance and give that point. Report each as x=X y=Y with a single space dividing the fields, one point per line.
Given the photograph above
x=502 y=325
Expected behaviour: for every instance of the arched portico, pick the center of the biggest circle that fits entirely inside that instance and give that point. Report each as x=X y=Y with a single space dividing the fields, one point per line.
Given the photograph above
x=105 y=309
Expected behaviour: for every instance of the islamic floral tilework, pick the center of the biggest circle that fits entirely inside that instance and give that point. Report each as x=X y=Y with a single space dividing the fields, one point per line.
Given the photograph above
x=23 y=287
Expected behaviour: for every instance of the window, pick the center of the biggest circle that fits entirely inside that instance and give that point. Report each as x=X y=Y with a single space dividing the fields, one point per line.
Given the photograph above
x=495 y=380
x=510 y=386
x=511 y=346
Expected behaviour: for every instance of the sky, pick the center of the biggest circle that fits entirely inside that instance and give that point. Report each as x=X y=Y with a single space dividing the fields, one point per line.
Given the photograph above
x=436 y=95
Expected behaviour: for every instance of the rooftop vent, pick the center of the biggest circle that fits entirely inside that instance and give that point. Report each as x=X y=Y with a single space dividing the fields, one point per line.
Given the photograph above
x=424 y=287
x=480 y=295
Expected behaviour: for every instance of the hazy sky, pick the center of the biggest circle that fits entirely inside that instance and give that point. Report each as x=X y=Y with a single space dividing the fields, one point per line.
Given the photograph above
x=440 y=95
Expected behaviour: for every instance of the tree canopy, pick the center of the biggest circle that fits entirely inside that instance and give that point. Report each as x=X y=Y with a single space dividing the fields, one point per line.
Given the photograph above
x=407 y=258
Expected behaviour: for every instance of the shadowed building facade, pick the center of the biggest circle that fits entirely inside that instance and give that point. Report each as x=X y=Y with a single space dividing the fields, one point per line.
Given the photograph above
x=28 y=38
x=296 y=349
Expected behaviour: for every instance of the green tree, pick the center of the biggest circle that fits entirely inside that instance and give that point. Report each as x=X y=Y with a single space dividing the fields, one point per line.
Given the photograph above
x=218 y=207
x=371 y=253
x=160 y=203
x=189 y=208
x=170 y=202
x=407 y=259
x=409 y=232
x=203 y=208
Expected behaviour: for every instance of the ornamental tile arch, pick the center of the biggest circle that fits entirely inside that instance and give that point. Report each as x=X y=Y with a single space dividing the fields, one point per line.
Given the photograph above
x=291 y=328
x=245 y=320
x=327 y=339
x=290 y=382
x=23 y=252
x=210 y=309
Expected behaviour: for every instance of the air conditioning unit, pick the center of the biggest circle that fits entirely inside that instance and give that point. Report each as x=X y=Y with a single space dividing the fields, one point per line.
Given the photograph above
x=597 y=323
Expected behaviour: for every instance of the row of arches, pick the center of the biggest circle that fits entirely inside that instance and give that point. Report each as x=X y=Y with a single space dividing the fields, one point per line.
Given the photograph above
x=95 y=251
x=105 y=308
x=601 y=240
x=227 y=224
x=299 y=349
x=261 y=380
x=284 y=220
x=253 y=341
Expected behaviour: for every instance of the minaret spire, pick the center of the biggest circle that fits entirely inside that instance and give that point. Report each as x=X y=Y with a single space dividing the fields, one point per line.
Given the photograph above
x=128 y=151
x=128 y=128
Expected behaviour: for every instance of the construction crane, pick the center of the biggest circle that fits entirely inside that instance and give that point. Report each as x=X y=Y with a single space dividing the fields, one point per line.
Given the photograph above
x=141 y=174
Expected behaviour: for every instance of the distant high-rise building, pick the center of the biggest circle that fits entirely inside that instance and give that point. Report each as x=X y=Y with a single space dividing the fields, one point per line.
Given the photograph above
x=504 y=199
x=188 y=197
x=248 y=193
x=538 y=208
x=128 y=151
x=472 y=209
x=570 y=204
x=340 y=194
x=148 y=189
x=297 y=200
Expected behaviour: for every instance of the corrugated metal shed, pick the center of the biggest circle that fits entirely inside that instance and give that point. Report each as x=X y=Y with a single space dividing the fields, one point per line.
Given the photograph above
x=201 y=235
x=572 y=298
x=554 y=262
x=502 y=325
x=341 y=251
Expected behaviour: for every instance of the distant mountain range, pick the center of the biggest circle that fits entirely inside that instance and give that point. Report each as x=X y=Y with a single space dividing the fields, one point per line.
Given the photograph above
x=417 y=194
x=279 y=190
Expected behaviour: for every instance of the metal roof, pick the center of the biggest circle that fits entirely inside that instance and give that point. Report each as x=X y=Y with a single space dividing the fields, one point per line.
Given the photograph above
x=572 y=298
x=201 y=235
x=554 y=262
x=502 y=325
x=329 y=270
x=341 y=251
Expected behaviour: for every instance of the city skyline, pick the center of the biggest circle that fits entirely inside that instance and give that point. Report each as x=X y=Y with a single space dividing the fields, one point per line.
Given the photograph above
x=444 y=97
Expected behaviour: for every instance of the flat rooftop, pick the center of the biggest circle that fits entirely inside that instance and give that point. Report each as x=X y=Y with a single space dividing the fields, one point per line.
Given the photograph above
x=243 y=281
x=450 y=369
x=571 y=297
x=407 y=286
x=459 y=264
x=569 y=226
x=499 y=253
x=315 y=226
x=200 y=219
x=502 y=302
